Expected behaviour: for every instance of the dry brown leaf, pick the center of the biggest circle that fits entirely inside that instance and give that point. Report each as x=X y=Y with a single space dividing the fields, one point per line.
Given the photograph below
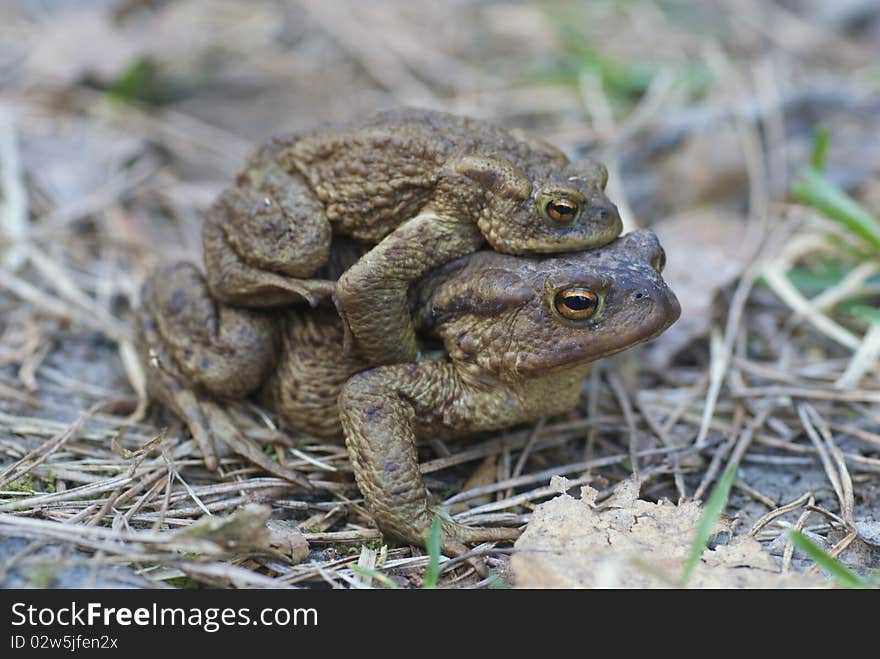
x=485 y=474
x=244 y=529
x=629 y=543
x=288 y=540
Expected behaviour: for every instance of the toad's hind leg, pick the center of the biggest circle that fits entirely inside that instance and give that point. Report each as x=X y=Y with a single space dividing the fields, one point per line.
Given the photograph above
x=264 y=238
x=198 y=352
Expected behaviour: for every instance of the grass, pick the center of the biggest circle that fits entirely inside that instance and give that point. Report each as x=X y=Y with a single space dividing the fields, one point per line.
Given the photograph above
x=138 y=82
x=711 y=513
x=624 y=79
x=813 y=188
x=841 y=574
x=384 y=579
x=432 y=572
x=822 y=274
x=821 y=141
x=866 y=313
x=858 y=242
x=715 y=507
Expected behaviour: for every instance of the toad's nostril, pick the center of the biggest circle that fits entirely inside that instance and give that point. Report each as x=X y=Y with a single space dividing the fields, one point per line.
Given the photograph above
x=638 y=296
x=610 y=213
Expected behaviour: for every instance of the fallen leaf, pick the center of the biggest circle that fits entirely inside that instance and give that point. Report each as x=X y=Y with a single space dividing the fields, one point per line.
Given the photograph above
x=244 y=529
x=626 y=542
x=288 y=540
x=485 y=474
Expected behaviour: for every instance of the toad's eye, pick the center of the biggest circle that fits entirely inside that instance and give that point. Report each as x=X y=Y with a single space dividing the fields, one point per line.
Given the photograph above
x=659 y=260
x=562 y=210
x=576 y=303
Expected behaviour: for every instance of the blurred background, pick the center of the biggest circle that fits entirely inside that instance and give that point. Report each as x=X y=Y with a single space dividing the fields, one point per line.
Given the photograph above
x=745 y=133
x=703 y=111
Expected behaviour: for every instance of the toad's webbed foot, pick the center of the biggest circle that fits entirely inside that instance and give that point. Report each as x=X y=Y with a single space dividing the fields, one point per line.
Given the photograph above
x=454 y=537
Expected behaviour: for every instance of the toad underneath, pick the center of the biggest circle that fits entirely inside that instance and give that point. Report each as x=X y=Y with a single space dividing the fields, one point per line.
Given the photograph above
x=519 y=335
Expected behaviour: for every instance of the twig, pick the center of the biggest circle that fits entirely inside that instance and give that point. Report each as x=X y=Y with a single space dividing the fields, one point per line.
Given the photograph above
x=626 y=407
x=14 y=215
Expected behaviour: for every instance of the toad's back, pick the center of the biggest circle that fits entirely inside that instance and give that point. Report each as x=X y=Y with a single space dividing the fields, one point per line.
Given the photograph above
x=375 y=173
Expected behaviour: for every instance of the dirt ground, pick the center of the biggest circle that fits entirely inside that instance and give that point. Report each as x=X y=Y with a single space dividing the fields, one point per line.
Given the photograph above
x=121 y=120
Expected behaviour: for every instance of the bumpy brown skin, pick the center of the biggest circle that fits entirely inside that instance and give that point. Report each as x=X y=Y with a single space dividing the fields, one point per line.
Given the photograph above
x=423 y=187
x=197 y=351
x=512 y=357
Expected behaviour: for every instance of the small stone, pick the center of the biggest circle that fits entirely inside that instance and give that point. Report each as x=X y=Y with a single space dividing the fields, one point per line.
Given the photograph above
x=559 y=484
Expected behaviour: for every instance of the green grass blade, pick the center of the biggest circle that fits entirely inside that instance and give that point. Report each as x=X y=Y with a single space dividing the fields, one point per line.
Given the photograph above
x=821 y=139
x=870 y=315
x=821 y=275
x=384 y=579
x=843 y=575
x=711 y=512
x=814 y=189
x=497 y=583
x=140 y=82
x=432 y=572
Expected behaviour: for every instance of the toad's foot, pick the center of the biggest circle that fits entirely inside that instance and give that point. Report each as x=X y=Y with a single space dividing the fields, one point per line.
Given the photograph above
x=264 y=239
x=454 y=537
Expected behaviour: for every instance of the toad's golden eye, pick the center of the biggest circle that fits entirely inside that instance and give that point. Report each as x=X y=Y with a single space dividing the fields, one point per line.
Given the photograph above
x=576 y=303
x=562 y=210
x=659 y=260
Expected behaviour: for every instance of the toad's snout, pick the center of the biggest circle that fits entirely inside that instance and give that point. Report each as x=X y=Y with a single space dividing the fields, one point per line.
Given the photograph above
x=659 y=301
x=604 y=212
x=657 y=304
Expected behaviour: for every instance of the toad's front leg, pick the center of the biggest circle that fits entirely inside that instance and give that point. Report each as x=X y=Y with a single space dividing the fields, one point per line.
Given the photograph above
x=372 y=295
x=381 y=410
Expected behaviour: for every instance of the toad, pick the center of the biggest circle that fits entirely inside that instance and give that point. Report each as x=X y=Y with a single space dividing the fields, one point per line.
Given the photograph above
x=416 y=189
x=519 y=335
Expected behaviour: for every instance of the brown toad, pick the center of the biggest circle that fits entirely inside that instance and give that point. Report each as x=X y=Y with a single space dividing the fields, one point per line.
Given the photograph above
x=519 y=335
x=417 y=189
